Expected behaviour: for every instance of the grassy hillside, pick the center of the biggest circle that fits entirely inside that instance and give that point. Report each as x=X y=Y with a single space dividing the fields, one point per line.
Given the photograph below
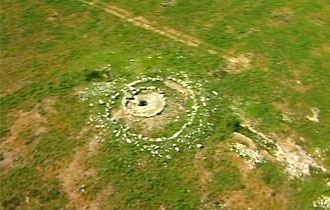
x=262 y=64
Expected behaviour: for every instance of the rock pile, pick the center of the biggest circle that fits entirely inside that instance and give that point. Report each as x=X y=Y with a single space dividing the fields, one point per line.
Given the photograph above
x=322 y=202
x=249 y=153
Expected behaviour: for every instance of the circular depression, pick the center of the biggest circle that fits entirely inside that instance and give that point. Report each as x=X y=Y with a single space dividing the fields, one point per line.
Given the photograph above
x=145 y=104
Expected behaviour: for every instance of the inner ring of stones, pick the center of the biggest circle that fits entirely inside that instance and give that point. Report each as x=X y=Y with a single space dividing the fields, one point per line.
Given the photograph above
x=130 y=91
x=145 y=103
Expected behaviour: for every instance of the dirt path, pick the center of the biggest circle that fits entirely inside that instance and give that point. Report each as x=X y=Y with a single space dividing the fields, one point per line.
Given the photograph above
x=152 y=26
x=77 y=172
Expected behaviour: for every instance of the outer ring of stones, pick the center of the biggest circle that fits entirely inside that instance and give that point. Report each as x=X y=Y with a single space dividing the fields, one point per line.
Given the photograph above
x=130 y=88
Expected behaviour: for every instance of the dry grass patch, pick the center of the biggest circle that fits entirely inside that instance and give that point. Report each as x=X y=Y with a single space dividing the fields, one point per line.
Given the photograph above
x=268 y=198
x=241 y=195
x=322 y=51
x=14 y=149
x=78 y=172
x=253 y=186
x=282 y=16
x=289 y=114
x=238 y=64
x=301 y=88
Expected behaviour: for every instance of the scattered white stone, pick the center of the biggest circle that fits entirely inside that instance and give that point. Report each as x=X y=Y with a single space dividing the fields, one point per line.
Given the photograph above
x=297 y=161
x=101 y=102
x=117 y=134
x=322 y=202
x=248 y=153
x=328 y=182
x=200 y=146
x=102 y=119
x=315 y=117
x=215 y=93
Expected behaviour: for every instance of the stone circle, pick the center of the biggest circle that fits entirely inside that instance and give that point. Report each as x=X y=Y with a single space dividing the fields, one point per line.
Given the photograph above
x=143 y=100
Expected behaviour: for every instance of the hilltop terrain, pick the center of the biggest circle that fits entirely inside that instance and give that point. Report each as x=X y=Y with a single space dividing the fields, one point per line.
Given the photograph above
x=165 y=104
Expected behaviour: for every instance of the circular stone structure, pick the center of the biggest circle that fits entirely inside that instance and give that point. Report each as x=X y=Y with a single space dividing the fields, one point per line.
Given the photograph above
x=145 y=103
x=150 y=101
x=145 y=99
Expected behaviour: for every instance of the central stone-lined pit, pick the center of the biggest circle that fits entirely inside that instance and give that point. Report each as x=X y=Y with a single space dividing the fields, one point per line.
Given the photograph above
x=145 y=103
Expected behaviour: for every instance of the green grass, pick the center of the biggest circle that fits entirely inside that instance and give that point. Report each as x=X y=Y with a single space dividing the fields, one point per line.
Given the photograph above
x=50 y=49
x=309 y=190
x=272 y=174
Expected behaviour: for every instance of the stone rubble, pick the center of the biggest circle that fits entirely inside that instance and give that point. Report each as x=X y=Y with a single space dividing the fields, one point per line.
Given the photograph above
x=248 y=153
x=322 y=202
x=297 y=161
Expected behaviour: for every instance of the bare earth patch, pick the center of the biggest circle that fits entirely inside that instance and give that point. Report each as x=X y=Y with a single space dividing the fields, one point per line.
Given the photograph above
x=297 y=161
x=48 y=105
x=243 y=197
x=205 y=177
x=322 y=51
x=150 y=110
x=301 y=88
x=237 y=64
x=284 y=150
x=282 y=16
x=288 y=114
x=77 y=173
x=254 y=186
x=148 y=126
x=177 y=87
x=14 y=149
